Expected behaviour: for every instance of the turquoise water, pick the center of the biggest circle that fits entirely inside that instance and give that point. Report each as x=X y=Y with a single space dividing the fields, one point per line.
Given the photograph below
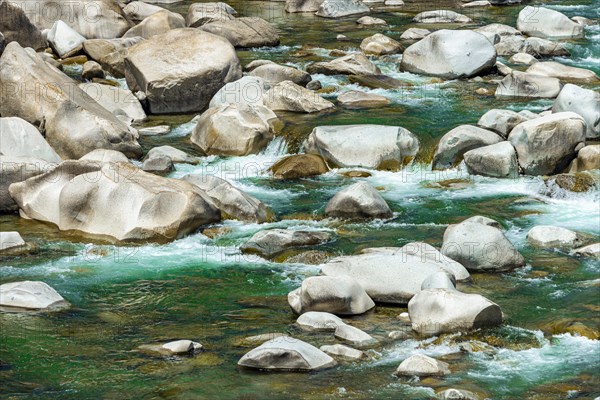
x=204 y=289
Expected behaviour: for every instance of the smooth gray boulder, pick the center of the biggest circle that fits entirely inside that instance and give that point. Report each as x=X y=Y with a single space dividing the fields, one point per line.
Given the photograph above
x=592 y=250
x=354 y=336
x=546 y=145
x=286 y=354
x=339 y=295
x=91 y=70
x=74 y=124
x=178 y=156
x=548 y=236
x=249 y=90
x=94 y=19
x=19 y=138
x=294 y=6
x=355 y=99
x=181 y=346
x=390 y=275
x=480 y=246
x=15 y=26
x=539 y=47
x=203 y=13
x=563 y=72
x=441 y=17
x=379 y=44
x=523 y=84
x=369 y=146
x=426 y=251
x=273 y=74
x=450 y=54
x=232 y=202
x=459 y=394
x=158 y=165
x=156 y=24
x=10 y=240
x=137 y=11
x=522 y=59
x=439 y=280
x=497 y=160
x=422 y=365
x=103 y=156
x=186 y=77
x=351 y=64
x=110 y=53
x=367 y=20
x=64 y=40
x=30 y=295
x=272 y=241
x=435 y=311
x=341 y=8
x=358 y=201
x=81 y=196
x=588 y=158
x=116 y=100
x=319 y=321
x=501 y=121
x=548 y=24
x=287 y=96
x=244 y=32
x=17 y=169
x=234 y=129
x=585 y=102
x=454 y=144
x=343 y=352
x=414 y=34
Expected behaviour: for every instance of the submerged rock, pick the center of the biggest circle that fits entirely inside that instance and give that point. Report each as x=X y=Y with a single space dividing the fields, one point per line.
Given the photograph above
x=454 y=144
x=457 y=394
x=299 y=166
x=592 y=250
x=547 y=144
x=337 y=295
x=422 y=365
x=286 y=354
x=435 y=311
x=546 y=23
x=480 y=247
x=553 y=236
x=186 y=77
x=272 y=241
x=368 y=146
x=585 y=102
x=358 y=201
x=573 y=182
x=30 y=295
x=293 y=6
x=450 y=54
x=81 y=196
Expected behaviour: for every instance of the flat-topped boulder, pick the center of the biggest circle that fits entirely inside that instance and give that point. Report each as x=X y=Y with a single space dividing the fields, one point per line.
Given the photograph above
x=354 y=336
x=501 y=121
x=341 y=8
x=30 y=296
x=435 y=311
x=184 y=78
x=497 y=160
x=441 y=17
x=422 y=365
x=81 y=196
x=272 y=241
x=286 y=354
x=546 y=23
x=244 y=32
x=272 y=74
x=287 y=96
x=390 y=275
x=156 y=24
x=414 y=34
x=176 y=155
x=523 y=84
x=337 y=295
x=546 y=145
x=563 y=72
x=344 y=352
x=104 y=156
x=480 y=246
x=548 y=236
x=585 y=102
x=73 y=122
x=450 y=54
x=369 y=146
x=351 y=64
x=137 y=11
x=358 y=201
x=234 y=129
x=355 y=99
x=299 y=166
x=454 y=144
x=203 y=13
x=319 y=321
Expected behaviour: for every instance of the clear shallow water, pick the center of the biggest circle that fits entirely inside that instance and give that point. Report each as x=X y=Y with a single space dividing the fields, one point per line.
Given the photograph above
x=204 y=289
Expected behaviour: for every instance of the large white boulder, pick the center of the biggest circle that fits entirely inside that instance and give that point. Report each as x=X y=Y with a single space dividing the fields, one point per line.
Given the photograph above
x=501 y=121
x=288 y=96
x=563 y=72
x=523 y=84
x=285 y=353
x=547 y=144
x=435 y=311
x=18 y=138
x=340 y=295
x=249 y=90
x=392 y=275
x=369 y=146
x=480 y=246
x=454 y=144
x=450 y=54
x=65 y=41
x=497 y=160
x=156 y=24
x=585 y=102
x=74 y=124
x=548 y=236
x=114 y=200
x=234 y=129
x=181 y=70
x=341 y=8
x=120 y=102
x=10 y=240
x=30 y=295
x=244 y=32
x=546 y=23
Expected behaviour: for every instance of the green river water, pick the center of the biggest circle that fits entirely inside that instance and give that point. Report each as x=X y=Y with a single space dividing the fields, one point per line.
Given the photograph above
x=203 y=289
